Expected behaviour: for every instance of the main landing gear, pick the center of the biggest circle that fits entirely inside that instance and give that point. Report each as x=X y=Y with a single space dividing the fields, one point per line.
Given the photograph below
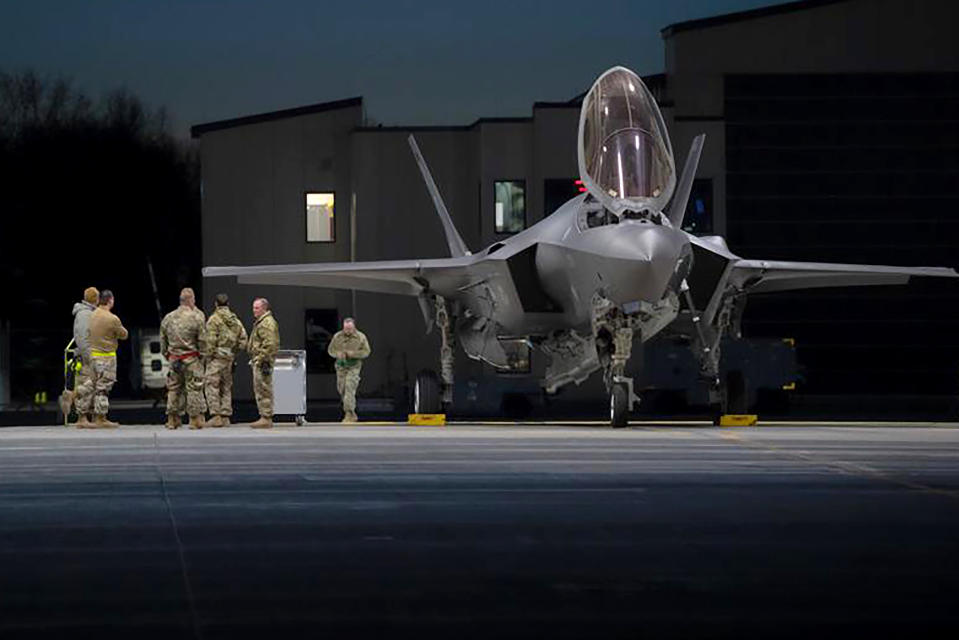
x=433 y=393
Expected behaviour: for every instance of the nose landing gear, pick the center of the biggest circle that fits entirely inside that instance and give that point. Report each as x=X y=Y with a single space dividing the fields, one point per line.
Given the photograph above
x=613 y=333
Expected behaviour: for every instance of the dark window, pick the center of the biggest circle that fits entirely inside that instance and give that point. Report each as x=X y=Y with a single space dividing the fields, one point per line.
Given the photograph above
x=557 y=191
x=321 y=324
x=509 y=206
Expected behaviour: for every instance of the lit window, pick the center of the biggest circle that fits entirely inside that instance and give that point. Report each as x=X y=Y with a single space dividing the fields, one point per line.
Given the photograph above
x=319 y=217
x=510 y=206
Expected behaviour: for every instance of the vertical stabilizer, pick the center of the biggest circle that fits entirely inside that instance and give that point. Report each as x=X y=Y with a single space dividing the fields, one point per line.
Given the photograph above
x=453 y=239
x=677 y=208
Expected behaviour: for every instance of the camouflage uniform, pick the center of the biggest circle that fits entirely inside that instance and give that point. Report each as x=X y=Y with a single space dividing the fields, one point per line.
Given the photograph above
x=181 y=339
x=225 y=337
x=83 y=397
x=263 y=345
x=349 y=350
x=103 y=331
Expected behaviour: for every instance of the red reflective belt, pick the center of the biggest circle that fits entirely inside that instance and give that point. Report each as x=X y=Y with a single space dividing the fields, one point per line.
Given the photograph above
x=184 y=356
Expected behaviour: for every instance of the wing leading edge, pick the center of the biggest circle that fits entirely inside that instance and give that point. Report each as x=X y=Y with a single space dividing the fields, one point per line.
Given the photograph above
x=768 y=276
x=401 y=277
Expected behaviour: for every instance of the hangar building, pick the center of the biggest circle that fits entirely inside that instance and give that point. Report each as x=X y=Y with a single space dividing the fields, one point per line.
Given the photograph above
x=832 y=135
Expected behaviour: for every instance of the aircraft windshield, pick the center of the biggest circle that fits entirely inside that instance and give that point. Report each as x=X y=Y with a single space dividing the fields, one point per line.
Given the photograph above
x=625 y=157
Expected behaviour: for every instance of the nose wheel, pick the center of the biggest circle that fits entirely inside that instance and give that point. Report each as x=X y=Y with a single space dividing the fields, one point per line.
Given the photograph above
x=619 y=405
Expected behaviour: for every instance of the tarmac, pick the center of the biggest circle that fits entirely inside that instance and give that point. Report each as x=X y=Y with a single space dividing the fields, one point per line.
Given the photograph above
x=533 y=530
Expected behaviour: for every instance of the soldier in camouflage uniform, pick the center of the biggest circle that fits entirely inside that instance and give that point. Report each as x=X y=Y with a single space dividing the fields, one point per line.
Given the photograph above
x=181 y=339
x=103 y=331
x=263 y=345
x=350 y=347
x=225 y=337
x=82 y=311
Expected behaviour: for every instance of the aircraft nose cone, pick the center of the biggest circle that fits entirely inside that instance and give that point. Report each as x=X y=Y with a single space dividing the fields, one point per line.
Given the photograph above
x=644 y=260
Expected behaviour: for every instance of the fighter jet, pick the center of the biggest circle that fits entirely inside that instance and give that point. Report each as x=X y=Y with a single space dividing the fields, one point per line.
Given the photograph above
x=607 y=271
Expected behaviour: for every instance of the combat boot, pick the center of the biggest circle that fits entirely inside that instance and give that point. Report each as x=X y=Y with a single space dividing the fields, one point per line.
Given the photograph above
x=262 y=423
x=173 y=421
x=196 y=422
x=101 y=422
x=215 y=421
x=224 y=421
x=349 y=417
x=83 y=422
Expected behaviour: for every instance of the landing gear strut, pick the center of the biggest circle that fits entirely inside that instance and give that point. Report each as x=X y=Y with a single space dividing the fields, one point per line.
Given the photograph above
x=432 y=393
x=727 y=393
x=614 y=332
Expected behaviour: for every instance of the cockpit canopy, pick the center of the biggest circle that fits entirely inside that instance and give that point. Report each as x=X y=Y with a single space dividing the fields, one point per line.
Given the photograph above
x=625 y=157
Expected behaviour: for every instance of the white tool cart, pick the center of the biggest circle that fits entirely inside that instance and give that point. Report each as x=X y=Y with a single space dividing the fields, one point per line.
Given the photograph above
x=289 y=384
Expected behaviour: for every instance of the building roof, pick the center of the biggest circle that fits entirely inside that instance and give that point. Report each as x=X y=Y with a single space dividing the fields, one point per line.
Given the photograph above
x=740 y=16
x=655 y=82
x=444 y=127
x=198 y=130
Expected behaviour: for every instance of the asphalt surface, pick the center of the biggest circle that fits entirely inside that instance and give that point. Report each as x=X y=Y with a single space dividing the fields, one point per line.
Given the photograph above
x=480 y=531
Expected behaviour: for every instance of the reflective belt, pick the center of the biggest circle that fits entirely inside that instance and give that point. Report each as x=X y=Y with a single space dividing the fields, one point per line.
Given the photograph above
x=104 y=354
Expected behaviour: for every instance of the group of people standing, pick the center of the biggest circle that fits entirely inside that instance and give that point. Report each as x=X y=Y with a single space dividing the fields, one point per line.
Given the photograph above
x=202 y=354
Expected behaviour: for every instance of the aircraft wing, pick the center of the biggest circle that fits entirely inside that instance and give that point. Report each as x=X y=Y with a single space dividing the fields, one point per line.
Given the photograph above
x=402 y=277
x=768 y=276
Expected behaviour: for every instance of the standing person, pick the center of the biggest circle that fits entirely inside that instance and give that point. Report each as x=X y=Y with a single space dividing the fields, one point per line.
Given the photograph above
x=225 y=337
x=82 y=395
x=263 y=344
x=181 y=335
x=104 y=330
x=350 y=347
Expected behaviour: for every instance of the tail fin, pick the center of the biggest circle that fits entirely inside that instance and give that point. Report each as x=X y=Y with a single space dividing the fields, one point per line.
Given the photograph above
x=453 y=239
x=677 y=208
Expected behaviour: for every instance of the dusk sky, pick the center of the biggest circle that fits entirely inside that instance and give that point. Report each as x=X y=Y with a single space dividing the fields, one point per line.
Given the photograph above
x=428 y=62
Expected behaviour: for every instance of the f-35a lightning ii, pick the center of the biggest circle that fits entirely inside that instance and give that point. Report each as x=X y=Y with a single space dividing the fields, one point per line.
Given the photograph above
x=606 y=271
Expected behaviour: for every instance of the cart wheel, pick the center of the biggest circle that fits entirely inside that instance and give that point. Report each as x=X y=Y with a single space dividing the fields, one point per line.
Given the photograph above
x=300 y=421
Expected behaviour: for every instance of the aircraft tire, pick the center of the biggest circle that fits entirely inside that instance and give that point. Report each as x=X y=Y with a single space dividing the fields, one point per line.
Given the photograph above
x=426 y=393
x=619 y=405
